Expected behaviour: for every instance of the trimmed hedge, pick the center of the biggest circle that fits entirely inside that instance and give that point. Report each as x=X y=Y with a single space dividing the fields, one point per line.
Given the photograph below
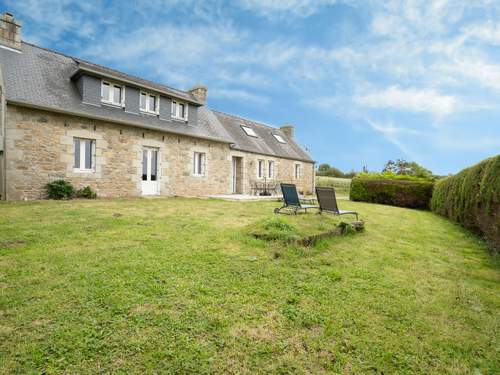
x=395 y=192
x=472 y=198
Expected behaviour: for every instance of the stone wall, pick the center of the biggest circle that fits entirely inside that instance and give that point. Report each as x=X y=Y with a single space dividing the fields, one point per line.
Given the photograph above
x=39 y=149
x=284 y=171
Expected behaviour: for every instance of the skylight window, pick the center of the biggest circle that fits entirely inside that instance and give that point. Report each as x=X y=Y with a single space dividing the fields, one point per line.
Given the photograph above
x=249 y=131
x=279 y=138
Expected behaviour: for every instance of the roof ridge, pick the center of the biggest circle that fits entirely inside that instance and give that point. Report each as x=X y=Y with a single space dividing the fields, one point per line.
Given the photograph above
x=49 y=50
x=246 y=119
x=78 y=60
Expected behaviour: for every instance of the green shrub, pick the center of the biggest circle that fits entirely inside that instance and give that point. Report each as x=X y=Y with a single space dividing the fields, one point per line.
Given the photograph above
x=402 y=192
x=86 y=192
x=393 y=176
x=59 y=189
x=472 y=198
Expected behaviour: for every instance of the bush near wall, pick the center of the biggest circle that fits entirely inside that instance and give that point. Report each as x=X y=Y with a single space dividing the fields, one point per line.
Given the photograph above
x=472 y=198
x=409 y=192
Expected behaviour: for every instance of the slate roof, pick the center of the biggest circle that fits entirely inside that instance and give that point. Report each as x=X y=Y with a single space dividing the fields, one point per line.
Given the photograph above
x=41 y=78
x=265 y=143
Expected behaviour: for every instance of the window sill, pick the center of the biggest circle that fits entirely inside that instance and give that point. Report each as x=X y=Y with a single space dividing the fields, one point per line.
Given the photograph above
x=111 y=104
x=178 y=119
x=149 y=113
x=76 y=170
x=198 y=175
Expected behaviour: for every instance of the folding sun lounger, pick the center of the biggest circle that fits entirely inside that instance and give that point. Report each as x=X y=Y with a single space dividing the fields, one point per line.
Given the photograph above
x=291 y=201
x=328 y=202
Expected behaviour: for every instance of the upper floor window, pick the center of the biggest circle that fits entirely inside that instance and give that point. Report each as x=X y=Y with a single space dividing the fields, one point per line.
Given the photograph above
x=249 y=131
x=199 y=164
x=297 y=171
x=112 y=93
x=84 y=154
x=270 y=169
x=260 y=169
x=149 y=103
x=279 y=138
x=179 y=110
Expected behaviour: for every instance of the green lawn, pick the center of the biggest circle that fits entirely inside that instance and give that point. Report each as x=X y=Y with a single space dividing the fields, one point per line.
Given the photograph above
x=342 y=186
x=180 y=286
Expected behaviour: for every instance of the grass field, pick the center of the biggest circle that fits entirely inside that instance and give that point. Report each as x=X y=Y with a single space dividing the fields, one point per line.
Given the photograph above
x=342 y=186
x=180 y=286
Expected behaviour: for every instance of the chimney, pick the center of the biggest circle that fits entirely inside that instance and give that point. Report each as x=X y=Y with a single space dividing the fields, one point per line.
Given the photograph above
x=288 y=129
x=200 y=93
x=10 y=31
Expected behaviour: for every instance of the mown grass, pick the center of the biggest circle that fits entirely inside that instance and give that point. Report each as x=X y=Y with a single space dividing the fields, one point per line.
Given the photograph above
x=342 y=186
x=180 y=286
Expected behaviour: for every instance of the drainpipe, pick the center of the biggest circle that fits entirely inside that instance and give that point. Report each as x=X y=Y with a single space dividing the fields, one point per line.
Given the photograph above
x=3 y=164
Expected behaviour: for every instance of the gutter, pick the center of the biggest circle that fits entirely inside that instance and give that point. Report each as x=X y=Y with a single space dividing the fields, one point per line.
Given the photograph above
x=114 y=121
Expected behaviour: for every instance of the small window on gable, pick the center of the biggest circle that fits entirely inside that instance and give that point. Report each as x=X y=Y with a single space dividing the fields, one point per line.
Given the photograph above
x=297 y=171
x=179 y=110
x=249 y=131
x=149 y=103
x=279 y=138
x=112 y=93
x=199 y=166
x=270 y=169
x=84 y=160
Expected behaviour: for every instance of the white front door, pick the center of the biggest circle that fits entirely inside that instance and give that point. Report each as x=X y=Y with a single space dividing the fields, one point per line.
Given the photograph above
x=150 y=178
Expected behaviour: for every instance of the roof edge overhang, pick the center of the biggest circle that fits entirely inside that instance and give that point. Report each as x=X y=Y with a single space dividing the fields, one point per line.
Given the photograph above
x=114 y=121
x=236 y=148
x=82 y=69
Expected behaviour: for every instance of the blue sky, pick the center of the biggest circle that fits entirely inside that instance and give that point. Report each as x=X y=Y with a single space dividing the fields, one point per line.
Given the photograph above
x=362 y=81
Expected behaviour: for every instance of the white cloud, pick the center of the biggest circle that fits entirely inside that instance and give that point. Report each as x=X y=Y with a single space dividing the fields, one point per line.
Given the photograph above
x=238 y=95
x=55 y=17
x=488 y=32
x=414 y=100
x=398 y=136
x=280 y=9
x=472 y=70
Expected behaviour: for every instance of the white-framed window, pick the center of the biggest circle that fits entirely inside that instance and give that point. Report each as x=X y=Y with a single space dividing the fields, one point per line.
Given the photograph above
x=297 y=171
x=260 y=168
x=149 y=103
x=249 y=131
x=279 y=138
x=84 y=160
x=270 y=169
x=199 y=164
x=179 y=110
x=112 y=93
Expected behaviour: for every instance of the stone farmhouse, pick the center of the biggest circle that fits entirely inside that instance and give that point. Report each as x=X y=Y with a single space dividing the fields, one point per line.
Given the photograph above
x=65 y=118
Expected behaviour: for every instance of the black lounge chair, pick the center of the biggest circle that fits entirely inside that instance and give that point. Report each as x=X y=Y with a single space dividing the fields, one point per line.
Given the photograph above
x=291 y=200
x=328 y=202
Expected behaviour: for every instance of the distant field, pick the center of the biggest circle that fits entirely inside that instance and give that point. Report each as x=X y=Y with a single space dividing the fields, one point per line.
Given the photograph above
x=342 y=186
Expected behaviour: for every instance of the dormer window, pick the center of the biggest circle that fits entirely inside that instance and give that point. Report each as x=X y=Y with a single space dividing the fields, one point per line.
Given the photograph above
x=149 y=103
x=249 y=131
x=179 y=110
x=112 y=93
x=279 y=138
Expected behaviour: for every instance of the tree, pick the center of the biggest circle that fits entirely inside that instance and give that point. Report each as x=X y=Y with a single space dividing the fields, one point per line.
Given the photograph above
x=329 y=171
x=403 y=167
